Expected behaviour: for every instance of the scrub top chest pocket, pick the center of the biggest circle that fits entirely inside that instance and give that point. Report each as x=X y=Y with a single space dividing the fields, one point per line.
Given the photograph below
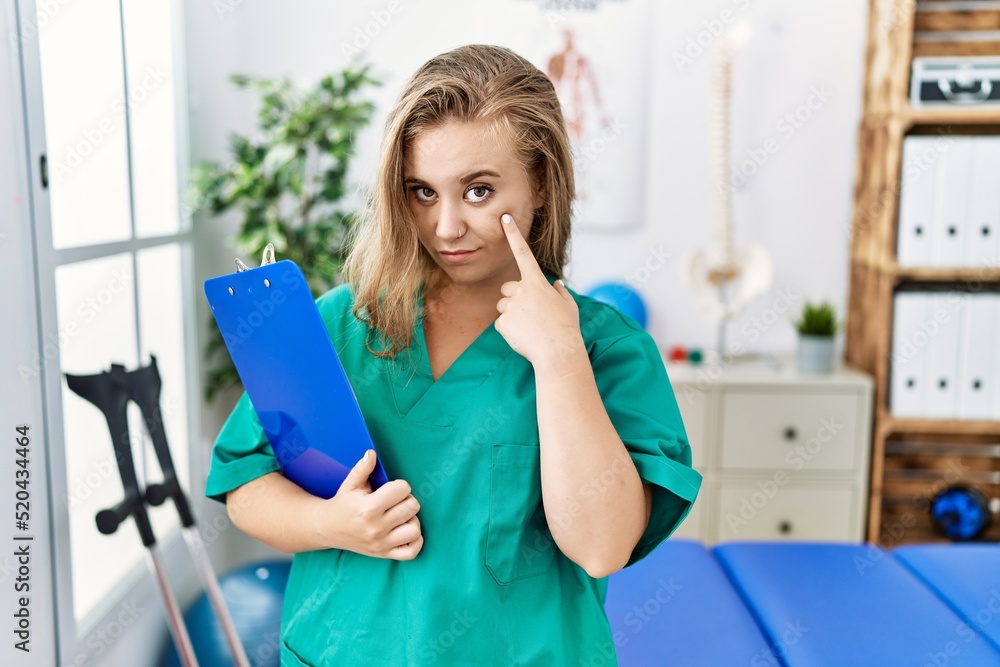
x=518 y=541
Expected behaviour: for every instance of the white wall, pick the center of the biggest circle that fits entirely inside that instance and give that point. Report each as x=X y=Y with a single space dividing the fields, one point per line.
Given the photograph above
x=798 y=203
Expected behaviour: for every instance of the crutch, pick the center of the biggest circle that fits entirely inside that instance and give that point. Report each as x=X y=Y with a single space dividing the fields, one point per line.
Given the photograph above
x=143 y=385
x=106 y=391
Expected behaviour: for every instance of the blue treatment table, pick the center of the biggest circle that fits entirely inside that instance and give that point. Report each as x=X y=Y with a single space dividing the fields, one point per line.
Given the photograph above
x=655 y=605
x=965 y=576
x=807 y=605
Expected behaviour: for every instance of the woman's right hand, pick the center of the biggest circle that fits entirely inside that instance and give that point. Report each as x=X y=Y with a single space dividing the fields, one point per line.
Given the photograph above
x=381 y=523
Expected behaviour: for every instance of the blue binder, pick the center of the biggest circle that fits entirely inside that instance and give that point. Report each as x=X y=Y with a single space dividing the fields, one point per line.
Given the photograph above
x=292 y=375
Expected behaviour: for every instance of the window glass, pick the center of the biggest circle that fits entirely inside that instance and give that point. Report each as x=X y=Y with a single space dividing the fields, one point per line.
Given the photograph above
x=161 y=330
x=96 y=315
x=151 y=78
x=84 y=99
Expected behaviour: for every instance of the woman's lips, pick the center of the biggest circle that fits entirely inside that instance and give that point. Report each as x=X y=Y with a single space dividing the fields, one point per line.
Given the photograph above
x=457 y=257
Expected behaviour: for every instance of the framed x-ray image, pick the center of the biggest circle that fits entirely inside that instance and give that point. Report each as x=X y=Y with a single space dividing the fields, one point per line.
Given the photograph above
x=596 y=53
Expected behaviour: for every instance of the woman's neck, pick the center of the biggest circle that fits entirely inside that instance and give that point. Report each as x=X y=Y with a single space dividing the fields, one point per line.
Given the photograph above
x=463 y=302
x=450 y=301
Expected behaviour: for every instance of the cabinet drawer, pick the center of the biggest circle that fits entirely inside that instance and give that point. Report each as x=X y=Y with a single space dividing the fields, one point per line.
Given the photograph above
x=757 y=511
x=692 y=405
x=789 y=430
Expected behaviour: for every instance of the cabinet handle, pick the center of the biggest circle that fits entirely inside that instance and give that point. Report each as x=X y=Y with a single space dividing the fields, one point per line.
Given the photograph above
x=790 y=433
x=785 y=527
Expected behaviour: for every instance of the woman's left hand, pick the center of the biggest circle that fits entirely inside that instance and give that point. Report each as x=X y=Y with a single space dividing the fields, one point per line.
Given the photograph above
x=541 y=322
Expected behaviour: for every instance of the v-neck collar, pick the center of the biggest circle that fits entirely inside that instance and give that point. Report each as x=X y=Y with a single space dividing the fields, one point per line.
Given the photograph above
x=420 y=398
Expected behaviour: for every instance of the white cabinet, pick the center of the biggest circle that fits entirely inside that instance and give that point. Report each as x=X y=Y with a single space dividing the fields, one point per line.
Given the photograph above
x=784 y=456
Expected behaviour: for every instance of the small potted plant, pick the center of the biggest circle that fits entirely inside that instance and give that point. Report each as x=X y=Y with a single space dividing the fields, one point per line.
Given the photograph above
x=817 y=326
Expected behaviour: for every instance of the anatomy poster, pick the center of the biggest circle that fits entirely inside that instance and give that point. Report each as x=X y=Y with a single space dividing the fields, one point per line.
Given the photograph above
x=596 y=53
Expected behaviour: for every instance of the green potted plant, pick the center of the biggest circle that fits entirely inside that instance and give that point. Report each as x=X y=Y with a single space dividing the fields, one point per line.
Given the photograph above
x=817 y=326
x=287 y=181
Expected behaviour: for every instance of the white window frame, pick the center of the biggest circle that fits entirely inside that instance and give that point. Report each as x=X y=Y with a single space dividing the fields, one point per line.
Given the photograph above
x=137 y=585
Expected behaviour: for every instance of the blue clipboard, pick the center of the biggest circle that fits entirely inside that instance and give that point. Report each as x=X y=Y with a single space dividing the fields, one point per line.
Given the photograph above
x=292 y=375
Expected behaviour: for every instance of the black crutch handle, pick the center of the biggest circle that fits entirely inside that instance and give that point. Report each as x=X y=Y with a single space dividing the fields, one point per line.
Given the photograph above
x=144 y=386
x=108 y=520
x=105 y=391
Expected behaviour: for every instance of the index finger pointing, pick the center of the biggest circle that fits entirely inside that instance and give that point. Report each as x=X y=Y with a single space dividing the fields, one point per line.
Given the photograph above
x=525 y=259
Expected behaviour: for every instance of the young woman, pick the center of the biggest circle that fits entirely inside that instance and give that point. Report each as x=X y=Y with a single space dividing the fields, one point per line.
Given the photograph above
x=531 y=434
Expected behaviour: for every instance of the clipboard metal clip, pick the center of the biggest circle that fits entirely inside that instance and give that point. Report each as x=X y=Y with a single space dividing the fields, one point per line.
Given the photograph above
x=266 y=258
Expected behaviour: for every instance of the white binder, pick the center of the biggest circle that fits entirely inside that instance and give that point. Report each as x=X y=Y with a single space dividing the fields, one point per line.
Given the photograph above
x=951 y=210
x=946 y=312
x=995 y=365
x=982 y=242
x=977 y=381
x=909 y=352
x=916 y=200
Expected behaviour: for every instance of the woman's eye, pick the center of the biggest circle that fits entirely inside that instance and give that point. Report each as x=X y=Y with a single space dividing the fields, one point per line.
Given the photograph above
x=478 y=193
x=423 y=194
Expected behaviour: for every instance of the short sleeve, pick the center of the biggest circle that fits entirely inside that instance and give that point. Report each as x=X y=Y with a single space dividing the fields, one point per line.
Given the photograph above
x=640 y=402
x=241 y=452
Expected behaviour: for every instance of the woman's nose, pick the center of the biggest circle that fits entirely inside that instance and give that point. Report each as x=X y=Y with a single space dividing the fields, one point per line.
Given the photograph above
x=449 y=222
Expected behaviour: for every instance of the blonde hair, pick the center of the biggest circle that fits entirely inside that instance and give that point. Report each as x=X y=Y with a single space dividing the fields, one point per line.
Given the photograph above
x=386 y=262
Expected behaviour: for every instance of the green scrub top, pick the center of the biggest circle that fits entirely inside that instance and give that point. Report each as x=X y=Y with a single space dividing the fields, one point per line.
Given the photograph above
x=490 y=586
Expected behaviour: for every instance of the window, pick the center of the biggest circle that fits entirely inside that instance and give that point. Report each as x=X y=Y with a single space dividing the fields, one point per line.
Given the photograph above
x=115 y=271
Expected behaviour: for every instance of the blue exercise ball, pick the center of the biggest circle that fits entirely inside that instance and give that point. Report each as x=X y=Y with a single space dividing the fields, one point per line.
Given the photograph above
x=961 y=512
x=623 y=298
x=254 y=594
